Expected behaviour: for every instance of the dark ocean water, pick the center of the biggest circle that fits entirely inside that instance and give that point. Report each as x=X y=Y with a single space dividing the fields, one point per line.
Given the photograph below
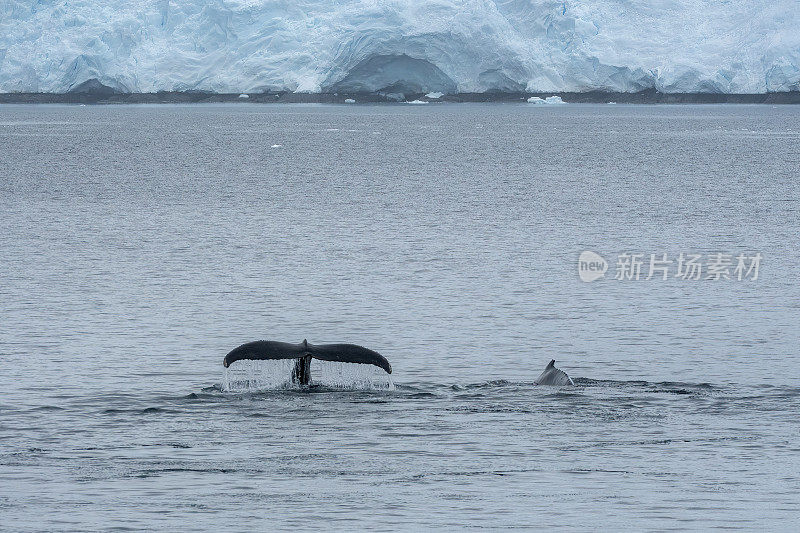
x=139 y=244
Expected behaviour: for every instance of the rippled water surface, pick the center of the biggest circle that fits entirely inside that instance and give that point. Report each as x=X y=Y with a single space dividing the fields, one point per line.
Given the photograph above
x=138 y=245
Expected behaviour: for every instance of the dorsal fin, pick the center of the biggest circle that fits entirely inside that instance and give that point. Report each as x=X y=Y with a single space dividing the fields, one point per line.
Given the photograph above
x=553 y=376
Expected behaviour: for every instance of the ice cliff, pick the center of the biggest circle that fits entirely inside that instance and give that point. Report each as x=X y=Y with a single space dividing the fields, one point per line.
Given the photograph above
x=726 y=46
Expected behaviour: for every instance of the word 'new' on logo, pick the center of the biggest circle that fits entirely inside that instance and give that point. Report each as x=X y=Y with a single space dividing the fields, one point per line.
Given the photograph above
x=591 y=266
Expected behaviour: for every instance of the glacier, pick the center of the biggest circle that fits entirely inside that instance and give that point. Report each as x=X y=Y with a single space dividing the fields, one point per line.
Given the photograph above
x=400 y=46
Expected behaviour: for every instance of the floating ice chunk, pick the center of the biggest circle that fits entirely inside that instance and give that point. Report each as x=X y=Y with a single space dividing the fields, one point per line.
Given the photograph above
x=549 y=100
x=416 y=102
x=244 y=95
x=434 y=96
x=276 y=146
x=349 y=101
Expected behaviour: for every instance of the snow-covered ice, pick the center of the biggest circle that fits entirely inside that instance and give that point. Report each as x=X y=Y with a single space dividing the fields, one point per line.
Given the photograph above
x=400 y=46
x=551 y=100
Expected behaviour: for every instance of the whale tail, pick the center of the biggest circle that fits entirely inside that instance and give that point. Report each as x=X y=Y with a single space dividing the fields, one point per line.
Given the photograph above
x=301 y=373
x=553 y=376
x=303 y=352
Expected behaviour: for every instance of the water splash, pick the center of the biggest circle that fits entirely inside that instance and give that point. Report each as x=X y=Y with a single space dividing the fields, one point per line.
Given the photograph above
x=246 y=376
x=350 y=376
x=258 y=375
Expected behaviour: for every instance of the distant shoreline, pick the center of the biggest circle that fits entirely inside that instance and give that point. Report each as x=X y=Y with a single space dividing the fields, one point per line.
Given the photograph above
x=643 y=97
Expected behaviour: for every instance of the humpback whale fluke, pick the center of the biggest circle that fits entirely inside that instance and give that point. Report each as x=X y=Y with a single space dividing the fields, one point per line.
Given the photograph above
x=303 y=353
x=553 y=376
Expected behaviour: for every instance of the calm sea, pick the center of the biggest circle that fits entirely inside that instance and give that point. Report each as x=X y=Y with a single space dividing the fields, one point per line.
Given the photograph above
x=139 y=244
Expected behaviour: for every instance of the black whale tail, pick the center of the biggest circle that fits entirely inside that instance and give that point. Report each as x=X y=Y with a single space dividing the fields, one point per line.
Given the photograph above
x=303 y=353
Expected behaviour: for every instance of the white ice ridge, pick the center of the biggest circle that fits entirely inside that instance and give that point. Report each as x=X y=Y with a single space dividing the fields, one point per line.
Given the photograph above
x=400 y=46
x=549 y=100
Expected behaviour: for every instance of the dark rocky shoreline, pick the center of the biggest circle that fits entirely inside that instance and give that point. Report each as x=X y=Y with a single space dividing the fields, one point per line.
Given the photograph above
x=650 y=96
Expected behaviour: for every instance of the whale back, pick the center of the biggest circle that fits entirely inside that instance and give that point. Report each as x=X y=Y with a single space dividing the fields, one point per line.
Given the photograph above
x=553 y=376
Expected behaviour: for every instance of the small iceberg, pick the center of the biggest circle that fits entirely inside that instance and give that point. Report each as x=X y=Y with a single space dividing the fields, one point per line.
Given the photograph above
x=244 y=95
x=553 y=100
x=276 y=146
x=416 y=102
x=349 y=101
x=434 y=96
